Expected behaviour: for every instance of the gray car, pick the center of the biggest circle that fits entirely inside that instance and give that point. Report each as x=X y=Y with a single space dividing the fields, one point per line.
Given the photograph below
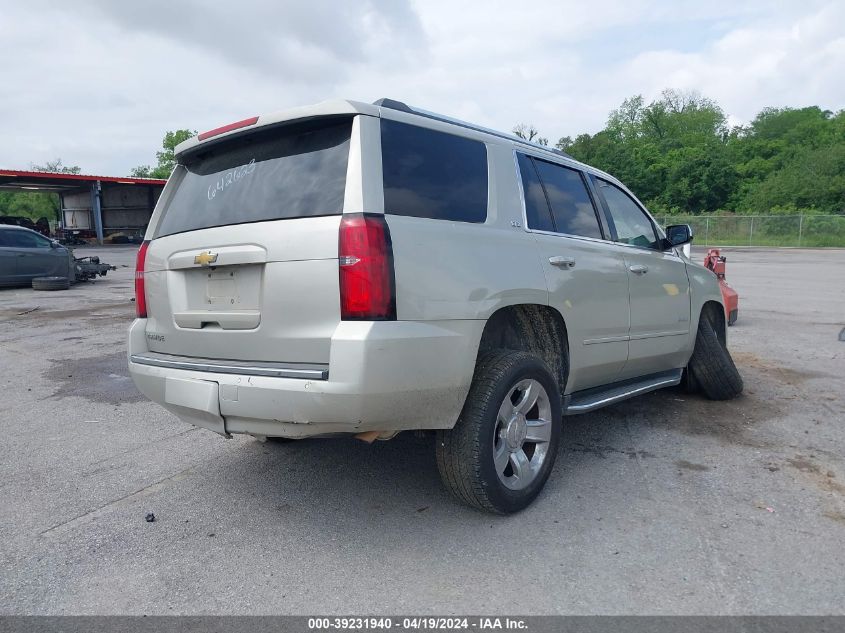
x=26 y=255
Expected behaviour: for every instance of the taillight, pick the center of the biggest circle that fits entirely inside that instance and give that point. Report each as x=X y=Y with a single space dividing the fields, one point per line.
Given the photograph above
x=140 y=297
x=365 y=255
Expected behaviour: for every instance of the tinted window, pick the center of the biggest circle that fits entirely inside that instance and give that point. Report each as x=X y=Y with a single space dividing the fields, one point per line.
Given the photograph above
x=290 y=172
x=572 y=209
x=430 y=174
x=536 y=205
x=632 y=224
x=23 y=239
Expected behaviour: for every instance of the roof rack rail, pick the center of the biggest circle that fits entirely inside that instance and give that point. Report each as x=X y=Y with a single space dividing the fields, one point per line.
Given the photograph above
x=393 y=104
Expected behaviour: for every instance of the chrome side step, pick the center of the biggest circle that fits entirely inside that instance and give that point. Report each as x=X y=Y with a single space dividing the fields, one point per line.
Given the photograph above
x=244 y=368
x=592 y=399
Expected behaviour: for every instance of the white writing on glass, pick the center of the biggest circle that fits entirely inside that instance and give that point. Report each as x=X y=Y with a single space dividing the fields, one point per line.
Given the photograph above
x=230 y=178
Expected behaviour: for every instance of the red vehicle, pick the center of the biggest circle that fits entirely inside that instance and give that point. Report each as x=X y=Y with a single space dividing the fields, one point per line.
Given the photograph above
x=716 y=262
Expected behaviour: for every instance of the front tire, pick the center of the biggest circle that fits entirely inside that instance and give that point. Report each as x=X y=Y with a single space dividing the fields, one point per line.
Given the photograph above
x=501 y=451
x=711 y=367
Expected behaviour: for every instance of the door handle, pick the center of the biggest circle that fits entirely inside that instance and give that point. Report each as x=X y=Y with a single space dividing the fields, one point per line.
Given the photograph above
x=638 y=269
x=562 y=262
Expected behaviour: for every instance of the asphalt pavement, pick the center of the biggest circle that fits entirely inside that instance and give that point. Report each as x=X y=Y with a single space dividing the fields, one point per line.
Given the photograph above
x=667 y=504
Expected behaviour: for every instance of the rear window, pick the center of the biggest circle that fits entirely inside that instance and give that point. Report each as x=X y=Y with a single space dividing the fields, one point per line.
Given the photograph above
x=290 y=172
x=429 y=174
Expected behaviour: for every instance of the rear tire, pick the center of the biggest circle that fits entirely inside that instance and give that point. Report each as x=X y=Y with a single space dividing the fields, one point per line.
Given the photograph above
x=711 y=367
x=501 y=451
x=50 y=283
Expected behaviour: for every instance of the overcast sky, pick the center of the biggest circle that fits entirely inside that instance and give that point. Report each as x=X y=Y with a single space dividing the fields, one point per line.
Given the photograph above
x=98 y=83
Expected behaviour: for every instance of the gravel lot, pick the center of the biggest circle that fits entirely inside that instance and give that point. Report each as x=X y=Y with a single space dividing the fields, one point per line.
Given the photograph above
x=664 y=504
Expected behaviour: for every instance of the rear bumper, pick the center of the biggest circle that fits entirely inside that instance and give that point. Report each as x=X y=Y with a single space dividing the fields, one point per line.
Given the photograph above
x=382 y=376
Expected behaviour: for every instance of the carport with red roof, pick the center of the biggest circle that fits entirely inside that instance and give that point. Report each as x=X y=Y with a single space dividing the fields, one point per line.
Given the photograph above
x=98 y=206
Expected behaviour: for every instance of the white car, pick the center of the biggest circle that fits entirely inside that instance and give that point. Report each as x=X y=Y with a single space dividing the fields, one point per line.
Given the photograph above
x=349 y=268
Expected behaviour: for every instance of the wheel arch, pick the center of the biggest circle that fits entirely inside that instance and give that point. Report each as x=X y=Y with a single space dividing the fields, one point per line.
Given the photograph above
x=534 y=328
x=714 y=311
x=705 y=296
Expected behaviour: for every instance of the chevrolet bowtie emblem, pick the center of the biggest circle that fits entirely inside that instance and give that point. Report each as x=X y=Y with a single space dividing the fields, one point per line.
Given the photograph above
x=206 y=258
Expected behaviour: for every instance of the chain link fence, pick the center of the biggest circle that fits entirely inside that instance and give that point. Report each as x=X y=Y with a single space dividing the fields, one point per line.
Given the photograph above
x=763 y=230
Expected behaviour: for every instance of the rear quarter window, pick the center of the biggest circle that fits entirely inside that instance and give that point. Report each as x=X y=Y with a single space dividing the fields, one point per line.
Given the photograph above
x=293 y=171
x=431 y=174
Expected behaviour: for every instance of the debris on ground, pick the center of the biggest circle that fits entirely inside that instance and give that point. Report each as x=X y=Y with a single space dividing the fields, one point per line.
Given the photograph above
x=149 y=517
x=88 y=268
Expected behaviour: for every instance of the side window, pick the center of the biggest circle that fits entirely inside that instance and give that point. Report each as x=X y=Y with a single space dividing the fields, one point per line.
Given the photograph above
x=39 y=241
x=571 y=205
x=25 y=239
x=632 y=224
x=536 y=206
x=430 y=174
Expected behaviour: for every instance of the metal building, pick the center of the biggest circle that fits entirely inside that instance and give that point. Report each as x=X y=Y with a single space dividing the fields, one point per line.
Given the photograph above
x=98 y=206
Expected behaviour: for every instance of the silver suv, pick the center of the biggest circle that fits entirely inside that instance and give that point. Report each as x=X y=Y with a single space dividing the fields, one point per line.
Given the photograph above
x=349 y=268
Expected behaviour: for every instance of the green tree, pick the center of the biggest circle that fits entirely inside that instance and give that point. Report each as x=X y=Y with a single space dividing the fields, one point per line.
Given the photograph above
x=672 y=152
x=34 y=204
x=678 y=154
x=29 y=204
x=813 y=179
x=165 y=157
x=788 y=157
x=56 y=166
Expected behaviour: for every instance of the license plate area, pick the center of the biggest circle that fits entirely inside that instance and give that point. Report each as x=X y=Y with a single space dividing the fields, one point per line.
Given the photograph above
x=222 y=288
x=220 y=297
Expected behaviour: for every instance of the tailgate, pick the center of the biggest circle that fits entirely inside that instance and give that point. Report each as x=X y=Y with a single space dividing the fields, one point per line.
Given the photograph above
x=243 y=264
x=274 y=301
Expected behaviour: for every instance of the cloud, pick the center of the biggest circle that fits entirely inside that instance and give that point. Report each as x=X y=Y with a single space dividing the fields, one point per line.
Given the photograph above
x=792 y=62
x=300 y=41
x=98 y=83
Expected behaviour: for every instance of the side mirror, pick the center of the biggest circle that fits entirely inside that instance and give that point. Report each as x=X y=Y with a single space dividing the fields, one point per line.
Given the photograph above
x=678 y=234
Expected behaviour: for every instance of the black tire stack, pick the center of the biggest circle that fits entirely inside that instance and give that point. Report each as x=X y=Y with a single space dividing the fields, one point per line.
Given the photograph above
x=50 y=283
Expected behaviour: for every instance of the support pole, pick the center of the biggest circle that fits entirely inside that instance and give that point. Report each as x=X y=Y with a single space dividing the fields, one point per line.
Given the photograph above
x=96 y=209
x=60 y=214
x=800 y=228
